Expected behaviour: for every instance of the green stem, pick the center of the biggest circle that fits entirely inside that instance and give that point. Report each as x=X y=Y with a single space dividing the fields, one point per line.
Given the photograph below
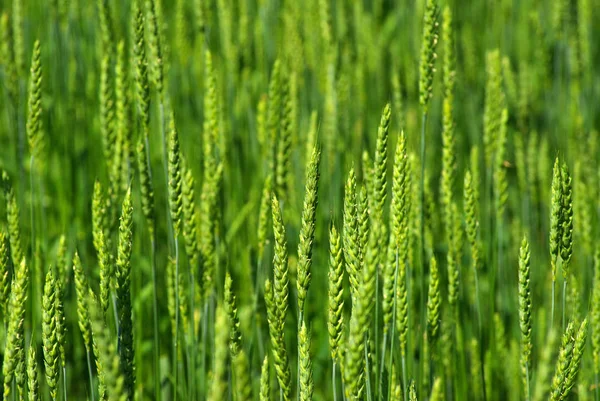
x=527 y=390
x=65 y=381
x=404 y=376
x=176 y=339
x=564 y=303
x=157 y=379
x=192 y=337
x=89 y=366
x=553 y=302
x=334 y=383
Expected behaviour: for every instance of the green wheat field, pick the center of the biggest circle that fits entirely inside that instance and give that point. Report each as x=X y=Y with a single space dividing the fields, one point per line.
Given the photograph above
x=335 y=200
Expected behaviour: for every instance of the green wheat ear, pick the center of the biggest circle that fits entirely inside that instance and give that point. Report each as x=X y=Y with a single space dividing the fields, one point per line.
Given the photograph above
x=276 y=333
x=434 y=302
x=123 y=292
x=306 y=374
x=350 y=236
x=263 y=216
x=146 y=186
x=307 y=230
x=14 y=365
x=34 y=108
x=32 y=375
x=5 y=276
x=111 y=380
x=175 y=179
x=49 y=339
x=555 y=217
x=335 y=322
x=525 y=312
x=190 y=221
x=280 y=263
x=219 y=380
x=429 y=42
x=569 y=361
x=142 y=87
x=82 y=288
x=265 y=385
x=241 y=367
x=12 y=216
x=566 y=219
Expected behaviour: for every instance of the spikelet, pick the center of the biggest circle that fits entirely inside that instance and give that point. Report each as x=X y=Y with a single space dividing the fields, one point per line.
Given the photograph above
x=61 y=329
x=364 y=226
x=380 y=166
x=448 y=136
x=335 y=322
x=555 y=217
x=17 y=29
x=219 y=375
x=190 y=222
x=155 y=46
x=307 y=230
x=32 y=375
x=471 y=206
x=106 y=272
x=569 y=360
x=566 y=220
x=284 y=144
x=208 y=224
x=434 y=302
x=112 y=382
x=274 y=116
x=360 y=322
x=350 y=236
x=500 y=181
x=262 y=131
x=119 y=173
x=142 y=86
x=13 y=366
x=243 y=386
x=453 y=257
x=106 y=26
x=123 y=292
x=50 y=341
x=306 y=374
x=280 y=263
x=99 y=217
x=82 y=288
x=276 y=333
x=34 y=106
x=146 y=186
x=263 y=216
x=493 y=106
x=12 y=216
x=399 y=235
x=175 y=179
x=429 y=41
x=5 y=276
x=525 y=312
x=107 y=109
x=412 y=392
x=265 y=387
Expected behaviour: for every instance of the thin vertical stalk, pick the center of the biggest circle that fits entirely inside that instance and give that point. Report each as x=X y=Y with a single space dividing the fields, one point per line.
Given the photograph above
x=89 y=366
x=564 y=303
x=157 y=380
x=176 y=339
x=333 y=381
